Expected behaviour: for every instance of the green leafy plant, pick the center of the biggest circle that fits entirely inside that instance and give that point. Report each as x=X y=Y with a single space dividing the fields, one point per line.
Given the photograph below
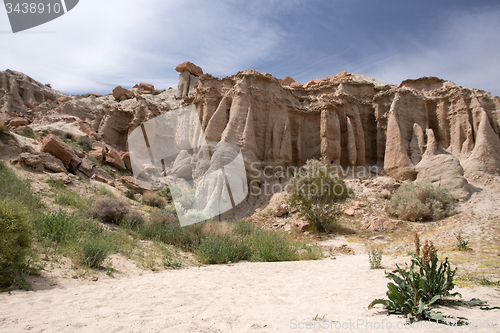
x=26 y=132
x=60 y=227
x=15 y=244
x=95 y=250
x=418 y=287
x=222 y=249
x=421 y=201
x=315 y=191
x=375 y=256
x=462 y=244
x=85 y=143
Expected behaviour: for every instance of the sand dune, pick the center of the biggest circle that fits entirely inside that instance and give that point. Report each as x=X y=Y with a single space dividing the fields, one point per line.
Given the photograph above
x=242 y=297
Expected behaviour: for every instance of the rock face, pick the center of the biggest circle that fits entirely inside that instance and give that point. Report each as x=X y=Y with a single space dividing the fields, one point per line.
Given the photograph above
x=417 y=130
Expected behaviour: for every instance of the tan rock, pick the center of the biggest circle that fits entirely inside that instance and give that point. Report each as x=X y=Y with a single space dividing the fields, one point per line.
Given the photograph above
x=86 y=167
x=113 y=158
x=379 y=224
x=190 y=67
x=145 y=86
x=296 y=85
x=300 y=225
x=281 y=210
x=287 y=81
x=63 y=99
x=122 y=94
x=55 y=146
x=19 y=121
x=350 y=212
x=125 y=156
x=98 y=153
x=31 y=160
x=52 y=163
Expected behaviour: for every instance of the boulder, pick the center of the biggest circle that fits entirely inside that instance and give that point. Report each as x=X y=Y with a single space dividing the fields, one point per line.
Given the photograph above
x=122 y=94
x=350 y=212
x=113 y=158
x=300 y=225
x=190 y=67
x=182 y=165
x=86 y=167
x=281 y=210
x=19 y=121
x=97 y=153
x=63 y=99
x=145 y=86
x=296 y=85
x=31 y=160
x=125 y=156
x=444 y=170
x=132 y=184
x=287 y=81
x=379 y=224
x=55 y=146
x=52 y=163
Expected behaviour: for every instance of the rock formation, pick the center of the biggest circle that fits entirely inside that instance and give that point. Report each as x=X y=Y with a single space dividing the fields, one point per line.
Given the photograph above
x=424 y=129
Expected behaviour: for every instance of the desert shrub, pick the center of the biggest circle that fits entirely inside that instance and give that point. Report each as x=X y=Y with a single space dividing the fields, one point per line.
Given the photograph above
x=4 y=133
x=85 y=143
x=26 y=132
x=244 y=228
x=17 y=190
x=57 y=132
x=153 y=199
x=109 y=210
x=60 y=227
x=220 y=249
x=417 y=288
x=421 y=201
x=272 y=246
x=67 y=136
x=15 y=244
x=165 y=194
x=315 y=191
x=133 y=220
x=375 y=257
x=95 y=250
x=104 y=191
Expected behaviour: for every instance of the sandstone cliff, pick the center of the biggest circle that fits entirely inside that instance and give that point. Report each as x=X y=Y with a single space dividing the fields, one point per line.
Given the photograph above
x=349 y=120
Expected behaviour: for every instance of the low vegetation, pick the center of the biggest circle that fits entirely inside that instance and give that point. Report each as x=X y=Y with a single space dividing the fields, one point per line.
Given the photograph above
x=421 y=201
x=4 y=133
x=415 y=289
x=375 y=257
x=315 y=190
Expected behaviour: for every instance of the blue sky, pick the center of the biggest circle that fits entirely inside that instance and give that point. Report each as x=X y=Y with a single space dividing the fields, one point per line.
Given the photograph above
x=101 y=44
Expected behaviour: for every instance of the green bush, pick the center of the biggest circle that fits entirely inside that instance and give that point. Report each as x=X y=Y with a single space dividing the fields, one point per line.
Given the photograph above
x=417 y=288
x=85 y=143
x=4 y=133
x=109 y=210
x=153 y=199
x=95 y=250
x=375 y=256
x=315 y=191
x=221 y=249
x=59 y=227
x=165 y=227
x=133 y=221
x=421 y=201
x=165 y=194
x=15 y=244
x=17 y=190
x=26 y=132
x=272 y=246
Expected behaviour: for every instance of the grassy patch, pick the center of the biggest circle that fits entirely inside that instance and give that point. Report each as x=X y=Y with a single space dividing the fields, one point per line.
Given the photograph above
x=66 y=197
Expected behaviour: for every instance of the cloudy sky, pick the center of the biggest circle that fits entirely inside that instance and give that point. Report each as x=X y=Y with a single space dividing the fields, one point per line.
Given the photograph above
x=104 y=43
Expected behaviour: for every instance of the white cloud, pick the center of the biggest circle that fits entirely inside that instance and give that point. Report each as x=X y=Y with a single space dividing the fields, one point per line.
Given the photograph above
x=465 y=49
x=100 y=44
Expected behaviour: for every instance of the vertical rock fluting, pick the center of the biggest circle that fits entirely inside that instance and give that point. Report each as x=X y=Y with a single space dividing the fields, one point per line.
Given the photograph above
x=355 y=122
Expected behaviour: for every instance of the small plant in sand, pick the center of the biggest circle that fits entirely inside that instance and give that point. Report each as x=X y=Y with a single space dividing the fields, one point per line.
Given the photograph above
x=417 y=288
x=315 y=191
x=375 y=256
x=421 y=202
x=463 y=245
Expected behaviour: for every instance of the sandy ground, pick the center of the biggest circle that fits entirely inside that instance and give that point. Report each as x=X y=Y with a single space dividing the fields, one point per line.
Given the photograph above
x=242 y=297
